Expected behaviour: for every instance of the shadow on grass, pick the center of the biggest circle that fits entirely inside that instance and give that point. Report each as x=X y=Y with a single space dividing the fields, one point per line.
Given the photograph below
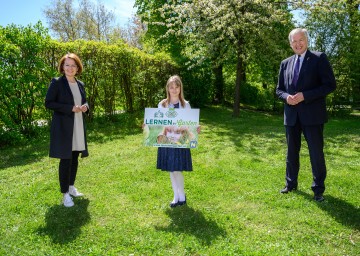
x=261 y=128
x=101 y=130
x=189 y=221
x=24 y=153
x=63 y=225
x=342 y=211
x=115 y=127
x=252 y=125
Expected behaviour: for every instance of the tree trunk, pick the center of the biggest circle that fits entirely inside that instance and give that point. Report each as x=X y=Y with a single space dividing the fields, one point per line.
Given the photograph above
x=236 y=111
x=239 y=77
x=219 y=84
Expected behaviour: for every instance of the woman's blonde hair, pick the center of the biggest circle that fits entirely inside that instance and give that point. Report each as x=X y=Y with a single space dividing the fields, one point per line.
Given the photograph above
x=70 y=56
x=177 y=81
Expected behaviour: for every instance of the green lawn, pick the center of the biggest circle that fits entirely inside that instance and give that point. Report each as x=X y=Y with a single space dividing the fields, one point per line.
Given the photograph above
x=234 y=205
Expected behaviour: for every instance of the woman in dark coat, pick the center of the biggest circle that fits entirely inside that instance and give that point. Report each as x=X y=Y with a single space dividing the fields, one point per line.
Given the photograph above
x=66 y=97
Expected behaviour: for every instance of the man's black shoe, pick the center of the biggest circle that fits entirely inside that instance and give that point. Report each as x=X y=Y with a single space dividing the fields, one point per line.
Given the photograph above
x=319 y=198
x=287 y=190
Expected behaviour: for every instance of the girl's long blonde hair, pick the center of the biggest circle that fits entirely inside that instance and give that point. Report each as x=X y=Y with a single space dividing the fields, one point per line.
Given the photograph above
x=177 y=81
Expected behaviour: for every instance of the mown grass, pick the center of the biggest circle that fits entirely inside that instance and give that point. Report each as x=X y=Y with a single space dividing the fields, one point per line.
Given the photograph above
x=234 y=205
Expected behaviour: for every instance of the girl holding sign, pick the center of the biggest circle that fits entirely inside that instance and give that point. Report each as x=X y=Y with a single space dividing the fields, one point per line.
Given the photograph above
x=175 y=160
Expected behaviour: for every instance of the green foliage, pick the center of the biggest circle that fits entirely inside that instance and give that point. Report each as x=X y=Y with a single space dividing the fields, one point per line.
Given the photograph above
x=70 y=20
x=334 y=29
x=208 y=43
x=23 y=74
x=196 y=85
x=233 y=202
x=151 y=77
x=10 y=136
x=194 y=71
x=256 y=94
x=117 y=77
x=222 y=32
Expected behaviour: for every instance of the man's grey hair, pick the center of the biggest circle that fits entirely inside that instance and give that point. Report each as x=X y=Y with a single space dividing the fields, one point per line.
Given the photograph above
x=298 y=30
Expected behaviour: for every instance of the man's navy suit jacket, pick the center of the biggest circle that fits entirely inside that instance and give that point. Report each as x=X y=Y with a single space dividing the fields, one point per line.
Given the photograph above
x=316 y=80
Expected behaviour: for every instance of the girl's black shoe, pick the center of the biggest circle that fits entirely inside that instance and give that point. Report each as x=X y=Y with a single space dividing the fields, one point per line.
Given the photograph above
x=173 y=205
x=181 y=202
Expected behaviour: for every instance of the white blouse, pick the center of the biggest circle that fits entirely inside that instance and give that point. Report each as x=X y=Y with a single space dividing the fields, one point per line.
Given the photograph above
x=78 y=141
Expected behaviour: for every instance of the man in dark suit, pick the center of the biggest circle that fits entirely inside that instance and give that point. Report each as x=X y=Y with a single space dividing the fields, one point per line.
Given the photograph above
x=304 y=81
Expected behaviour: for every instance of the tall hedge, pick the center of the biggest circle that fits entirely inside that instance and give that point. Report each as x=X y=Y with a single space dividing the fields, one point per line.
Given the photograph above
x=117 y=77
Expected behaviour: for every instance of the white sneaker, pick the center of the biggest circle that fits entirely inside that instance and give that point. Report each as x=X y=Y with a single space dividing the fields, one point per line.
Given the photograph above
x=73 y=191
x=67 y=200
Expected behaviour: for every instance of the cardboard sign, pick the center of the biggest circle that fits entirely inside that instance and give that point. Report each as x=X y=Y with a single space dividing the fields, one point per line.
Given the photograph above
x=171 y=127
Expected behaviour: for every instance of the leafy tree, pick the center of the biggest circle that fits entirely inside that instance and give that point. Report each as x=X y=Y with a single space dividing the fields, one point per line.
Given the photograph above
x=117 y=77
x=62 y=20
x=195 y=75
x=148 y=11
x=225 y=30
x=334 y=29
x=134 y=32
x=23 y=75
x=90 y=21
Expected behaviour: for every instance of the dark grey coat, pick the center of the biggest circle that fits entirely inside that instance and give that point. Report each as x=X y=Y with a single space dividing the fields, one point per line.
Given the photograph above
x=59 y=98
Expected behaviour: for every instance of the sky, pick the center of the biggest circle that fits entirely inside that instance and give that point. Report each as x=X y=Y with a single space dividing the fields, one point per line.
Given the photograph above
x=25 y=12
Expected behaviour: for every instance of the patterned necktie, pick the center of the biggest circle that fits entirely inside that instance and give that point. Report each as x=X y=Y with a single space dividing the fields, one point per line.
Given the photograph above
x=296 y=71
